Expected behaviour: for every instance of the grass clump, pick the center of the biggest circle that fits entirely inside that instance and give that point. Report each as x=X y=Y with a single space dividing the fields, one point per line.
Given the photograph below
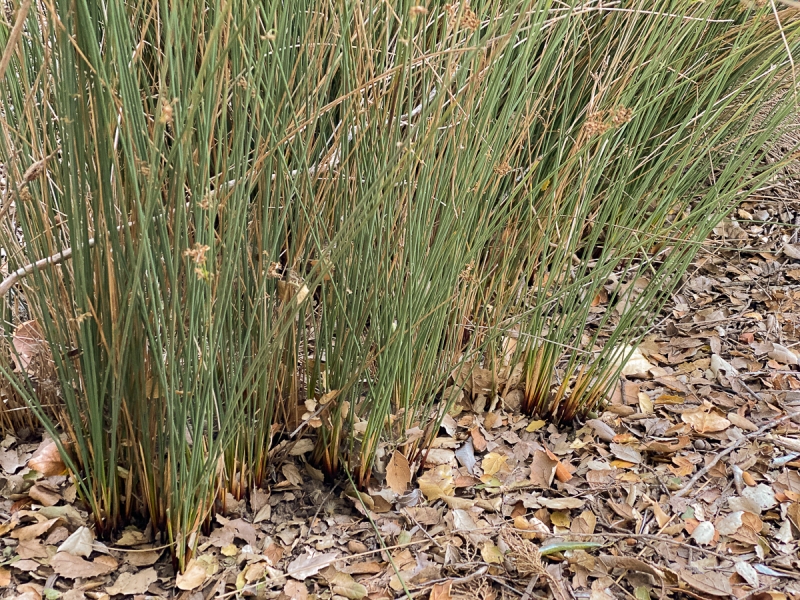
x=250 y=220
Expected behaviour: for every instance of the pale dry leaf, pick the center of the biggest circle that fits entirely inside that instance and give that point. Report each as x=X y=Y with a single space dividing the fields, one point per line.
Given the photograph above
x=30 y=532
x=74 y=567
x=543 y=469
x=309 y=564
x=44 y=495
x=493 y=463
x=10 y=461
x=782 y=354
x=5 y=577
x=130 y=584
x=742 y=422
x=295 y=590
x=437 y=483
x=584 y=524
x=626 y=453
x=344 y=585
x=197 y=572
x=761 y=495
x=748 y=573
x=560 y=503
x=143 y=559
x=710 y=582
x=398 y=473
x=705 y=419
x=703 y=534
x=79 y=543
x=28 y=341
x=465 y=455
x=292 y=474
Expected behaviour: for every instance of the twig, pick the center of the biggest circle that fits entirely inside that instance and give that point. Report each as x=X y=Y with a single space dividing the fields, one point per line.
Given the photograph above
x=685 y=489
x=13 y=38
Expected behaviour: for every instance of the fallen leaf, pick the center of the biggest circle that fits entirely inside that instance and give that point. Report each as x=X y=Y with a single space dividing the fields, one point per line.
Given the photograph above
x=130 y=584
x=584 y=524
x=626 y=453
x=5 y=577
x=543 y=469
x=292 y=474
x=441 y=591
x=560 y=503
x=437 y=483
x=28 y=341
x=73 y=567
x=344 y=585
x=398 y=473
x=491 y=554
x=748 y=573
x=31 y=532
x=535 y=426
x=197 y=572
x=761 y=495
x=705 y=419
x=703 y=534
x=44 y=495
x=309 y=564
x=47 y=460
x=493 y=463
x=79 y=543
x=710 y=582
x=296 y=590
x=466 y=456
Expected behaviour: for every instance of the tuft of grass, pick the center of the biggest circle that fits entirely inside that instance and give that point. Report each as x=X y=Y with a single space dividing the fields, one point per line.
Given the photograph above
x=232 y=221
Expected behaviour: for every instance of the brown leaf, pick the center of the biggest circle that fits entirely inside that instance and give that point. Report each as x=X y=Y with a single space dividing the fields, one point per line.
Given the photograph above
x=437 y=483
x=73 y=567
x=562 y=472
x=626 y=453
x=666 y=448
x=5 y=578
x=33 y=531
x=628 y=563
x=295 y=590
x=584 y=524
x=398 y=473
x=705 y=419
x=543 y=469
x=45 y=496
x=309 y=564
x=441 y=591
x=197 y=572
x=28 y=341
x=130 y=584
x=47 y=460
x=710 y=582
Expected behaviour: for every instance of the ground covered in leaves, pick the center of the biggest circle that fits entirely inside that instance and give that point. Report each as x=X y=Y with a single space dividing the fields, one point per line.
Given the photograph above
x=685 y=486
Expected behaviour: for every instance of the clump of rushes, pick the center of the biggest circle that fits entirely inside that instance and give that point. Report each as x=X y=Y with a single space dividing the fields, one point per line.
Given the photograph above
x=247 y=220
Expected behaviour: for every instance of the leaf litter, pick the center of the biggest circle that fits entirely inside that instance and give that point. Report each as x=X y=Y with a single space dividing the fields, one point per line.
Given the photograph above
x=685 y=485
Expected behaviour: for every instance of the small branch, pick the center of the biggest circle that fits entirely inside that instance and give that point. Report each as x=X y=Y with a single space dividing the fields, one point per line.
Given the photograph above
x=685 y=489
x=55 y=259
x=13 y=38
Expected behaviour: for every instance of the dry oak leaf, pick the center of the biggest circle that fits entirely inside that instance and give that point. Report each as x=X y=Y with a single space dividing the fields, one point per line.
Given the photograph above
x=131 y=584
x=197 y=572
x=626 y=453
x=31 y=532
x=437 y=483
x=79 y=543
x=710 y=582
x=47 y=460
x=398 y=473
x=493 y=463
x=342 y=584
x=73 y=567
x=5 y=577
x=309 y=564
x=295 y=590
x=705 y=419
